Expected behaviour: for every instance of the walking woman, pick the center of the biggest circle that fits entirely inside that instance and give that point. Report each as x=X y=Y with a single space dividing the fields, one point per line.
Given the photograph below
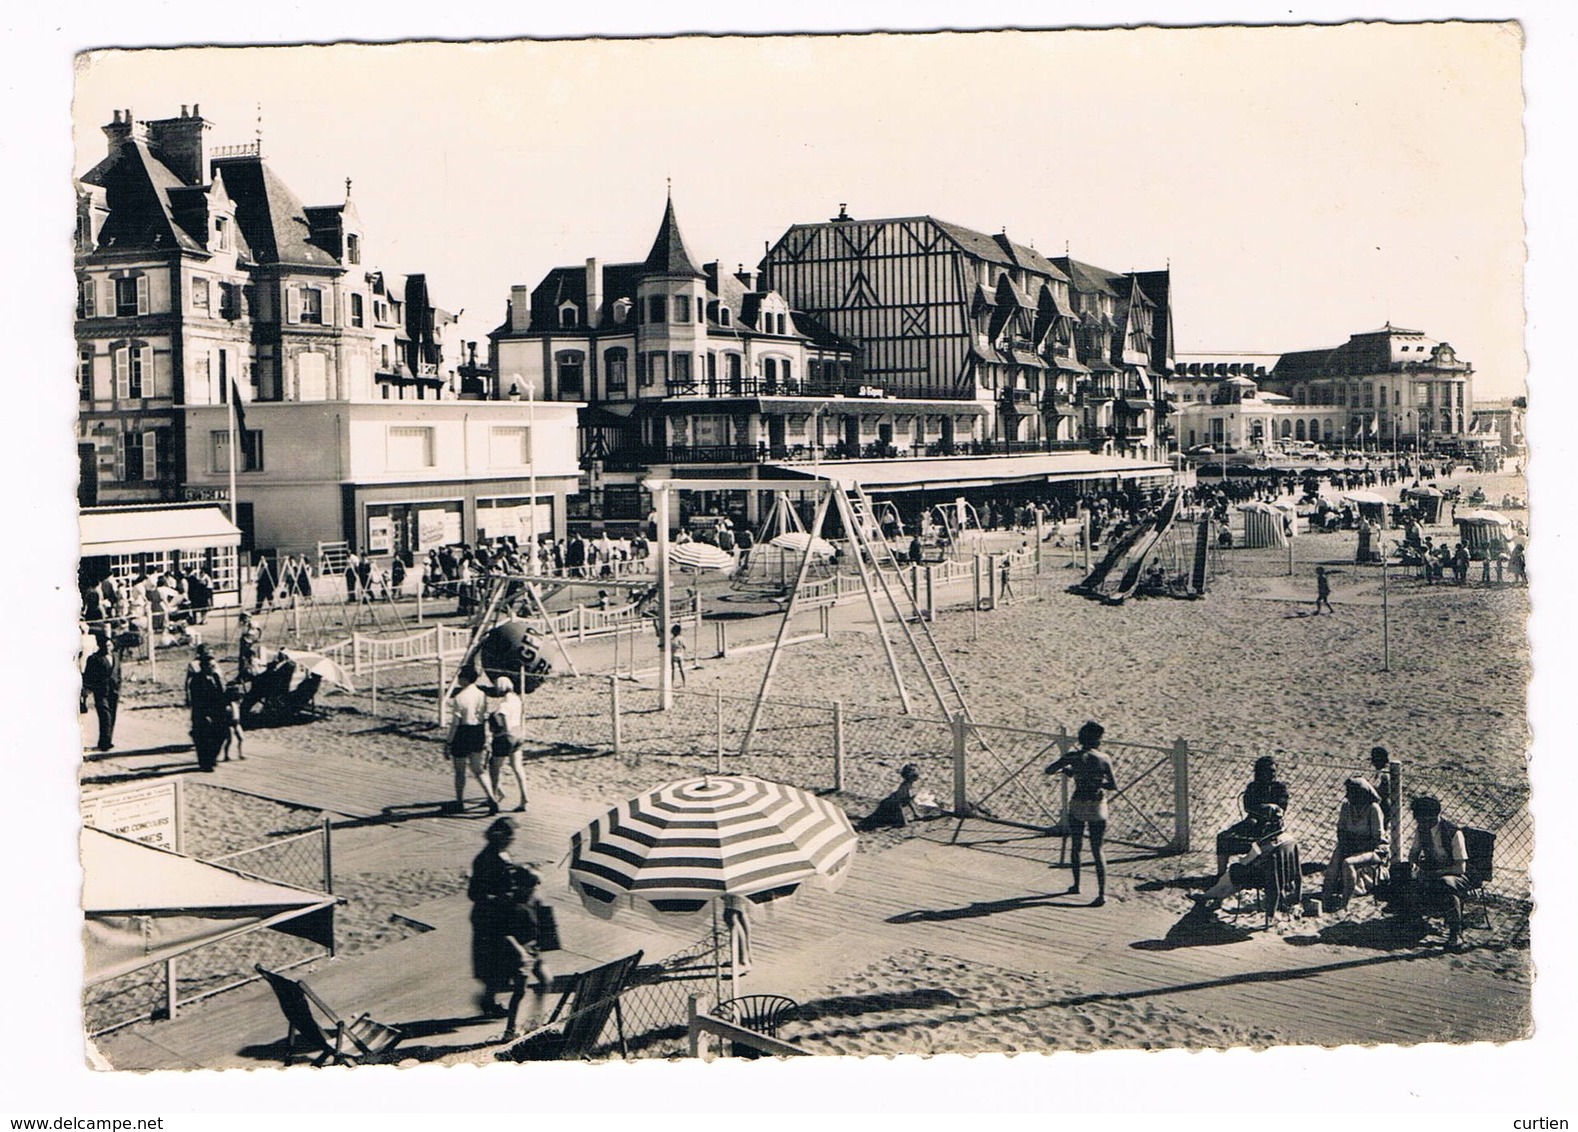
x=1087 y=807
x=494 y=960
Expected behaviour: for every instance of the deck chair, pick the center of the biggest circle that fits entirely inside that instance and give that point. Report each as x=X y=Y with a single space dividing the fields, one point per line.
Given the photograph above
x=1480 y=846
x=1281 y=887
x=762 y=1013
x=589 y=999
x=344 y=1043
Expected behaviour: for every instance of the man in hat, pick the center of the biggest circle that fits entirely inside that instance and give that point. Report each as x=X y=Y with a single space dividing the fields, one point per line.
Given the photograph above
x=210 y=706
x=1439 y=861
x=101 y=678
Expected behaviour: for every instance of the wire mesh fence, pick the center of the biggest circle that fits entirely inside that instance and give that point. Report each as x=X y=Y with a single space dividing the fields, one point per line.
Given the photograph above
x=653 y=1014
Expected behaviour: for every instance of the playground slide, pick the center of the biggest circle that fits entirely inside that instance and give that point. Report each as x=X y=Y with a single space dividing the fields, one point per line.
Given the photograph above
x=1092 y=585
x=1202 y=547
x=1158 y=529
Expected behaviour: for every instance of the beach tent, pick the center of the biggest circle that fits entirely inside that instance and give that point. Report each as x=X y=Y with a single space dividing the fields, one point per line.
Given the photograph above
x=1485 y=534
x=1268 y=524
x=1427 y=501
x=1370 y=506
x=143 y=905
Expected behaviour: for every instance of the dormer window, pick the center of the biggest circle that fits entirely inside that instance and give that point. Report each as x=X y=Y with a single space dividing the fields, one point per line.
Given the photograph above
x=222 y=233
x=353 y=248
x=725 y=317
x=621 y=310
x=569 y=316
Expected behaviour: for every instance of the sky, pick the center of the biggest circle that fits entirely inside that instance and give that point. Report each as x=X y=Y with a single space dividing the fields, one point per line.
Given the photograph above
x=1304 y=183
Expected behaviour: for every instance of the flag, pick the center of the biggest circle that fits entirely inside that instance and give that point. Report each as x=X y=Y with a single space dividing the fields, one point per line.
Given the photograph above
x=241 y=425
x=1374 y=426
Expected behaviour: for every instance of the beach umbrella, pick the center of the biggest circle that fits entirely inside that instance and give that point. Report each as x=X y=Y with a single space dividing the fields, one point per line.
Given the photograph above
x=700 y=556
x=1484 y=517
x=316 y=664
x=797 y=541
x=683 y=847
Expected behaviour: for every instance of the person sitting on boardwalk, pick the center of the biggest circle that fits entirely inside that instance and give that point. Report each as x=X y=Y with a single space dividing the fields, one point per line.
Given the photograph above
x=1254 y=871
x=1087 y=807
x=1264 y=789
x=1437 y=872
x=890 y=812
x=1362 y=840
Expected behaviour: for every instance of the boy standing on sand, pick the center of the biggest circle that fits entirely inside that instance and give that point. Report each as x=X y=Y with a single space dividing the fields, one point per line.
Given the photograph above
x=676 y=652
x=1322 y=591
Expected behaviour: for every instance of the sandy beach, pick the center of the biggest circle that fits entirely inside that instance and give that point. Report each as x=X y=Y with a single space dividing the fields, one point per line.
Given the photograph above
x=1242 y=672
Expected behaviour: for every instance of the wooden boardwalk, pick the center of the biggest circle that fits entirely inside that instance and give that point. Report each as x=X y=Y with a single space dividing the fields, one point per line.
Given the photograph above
x=985 y=907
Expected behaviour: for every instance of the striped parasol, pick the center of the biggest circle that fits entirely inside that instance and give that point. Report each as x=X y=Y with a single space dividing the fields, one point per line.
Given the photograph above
x=700 y=556
x=681 y=847
x=797 y=541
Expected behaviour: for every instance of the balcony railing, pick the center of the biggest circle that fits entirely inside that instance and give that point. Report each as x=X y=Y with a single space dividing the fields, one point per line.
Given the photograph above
x=761 y=387
x=1015 y=397
x=642 y=456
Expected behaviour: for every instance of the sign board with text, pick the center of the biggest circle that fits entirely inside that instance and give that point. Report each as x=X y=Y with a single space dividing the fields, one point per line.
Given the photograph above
x=150 y=813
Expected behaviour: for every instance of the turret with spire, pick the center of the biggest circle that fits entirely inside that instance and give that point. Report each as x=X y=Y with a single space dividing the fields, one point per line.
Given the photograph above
x=671 y=300
x=669 y=256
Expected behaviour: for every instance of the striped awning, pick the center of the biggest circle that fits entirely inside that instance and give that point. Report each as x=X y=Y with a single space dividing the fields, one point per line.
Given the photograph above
x=676 y=849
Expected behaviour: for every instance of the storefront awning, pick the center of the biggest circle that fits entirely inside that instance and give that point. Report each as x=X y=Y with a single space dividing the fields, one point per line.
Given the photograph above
x=950 y=473
x=135 y=530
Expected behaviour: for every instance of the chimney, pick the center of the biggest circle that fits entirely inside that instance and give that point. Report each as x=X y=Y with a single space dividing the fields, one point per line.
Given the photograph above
x=520 y=307
x=747 y=278
x=182 y=144
x=710 y=270
x=594 y=292
x=122 y=129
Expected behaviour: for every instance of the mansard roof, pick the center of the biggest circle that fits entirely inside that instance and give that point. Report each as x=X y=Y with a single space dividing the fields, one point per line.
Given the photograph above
x=271 y=216
x=137 y=193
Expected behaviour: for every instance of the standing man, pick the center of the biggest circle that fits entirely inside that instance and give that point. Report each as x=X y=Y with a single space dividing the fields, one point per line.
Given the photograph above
x=210 y=705
x=468 y=737
x=101 y=677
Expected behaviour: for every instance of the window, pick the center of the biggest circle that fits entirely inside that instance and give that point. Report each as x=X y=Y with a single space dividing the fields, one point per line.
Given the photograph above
x=200 y=294
x=725 y=318
x=251 y=450
x=1369 y=395
x=133 y=447
x=569 y=316
x=654 y=369
x=770 y=373
x=701 y=310
x=131 y=296
x=312 y=306
x=87 y=299
x=681 y=308
x=353 y=247
x=85 y=373
x=615 y=363
x=510 y=447
x=409 y=447
x=569 y=366
x=130 y=365
x=682 y=368
x=657 y=308
x=783 y=324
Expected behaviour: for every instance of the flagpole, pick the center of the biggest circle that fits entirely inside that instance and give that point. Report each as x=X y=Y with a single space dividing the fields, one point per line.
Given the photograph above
x=230 y=418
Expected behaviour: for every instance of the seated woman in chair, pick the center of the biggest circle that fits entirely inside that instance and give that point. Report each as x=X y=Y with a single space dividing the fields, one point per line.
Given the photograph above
x=1256 y=869
x=1265 y=789
x=1362 y=840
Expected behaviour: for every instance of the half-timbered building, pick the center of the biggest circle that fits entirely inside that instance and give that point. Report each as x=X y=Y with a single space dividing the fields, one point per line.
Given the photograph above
x=1052 y=352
